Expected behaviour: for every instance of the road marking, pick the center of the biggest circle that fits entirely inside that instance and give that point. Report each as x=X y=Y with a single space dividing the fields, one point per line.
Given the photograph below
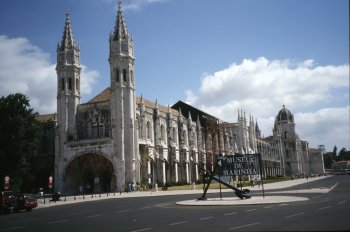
x=283 y=204
x=325 y=207
x=92 y=216
x=342 y=202
x=238 y=227
x=334 y=186
x=177 y=223
x=205 y=218
x=297 y=214
x=227 y=214
x=268 y=207
x=59 y=221
x=250 y=210
x=12 y=228
x=144 y=229
x=123 y=211
x=146 y=207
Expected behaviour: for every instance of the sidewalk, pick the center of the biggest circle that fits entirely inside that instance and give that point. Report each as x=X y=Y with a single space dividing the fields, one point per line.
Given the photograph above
x=94 y=197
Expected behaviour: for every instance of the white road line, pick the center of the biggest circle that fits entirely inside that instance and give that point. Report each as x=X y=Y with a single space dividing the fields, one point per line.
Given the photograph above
x=177 y=223
x=59 y=221
x=297 y=214
x=267 y=207
x=123 y=211
x=205 y=218
x=283 y=204
x=325 y=207
x=250 y=210
x=334 y=186
x=12 y=228
x=238 y=227
x=92 y=216
x=227 y=214
x=144 y=229
x=342 y=202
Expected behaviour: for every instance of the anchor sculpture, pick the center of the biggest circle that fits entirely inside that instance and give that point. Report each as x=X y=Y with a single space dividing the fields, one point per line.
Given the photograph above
x=209 y=176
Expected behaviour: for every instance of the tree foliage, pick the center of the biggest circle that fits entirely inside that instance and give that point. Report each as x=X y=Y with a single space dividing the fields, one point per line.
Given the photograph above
x=18 y=140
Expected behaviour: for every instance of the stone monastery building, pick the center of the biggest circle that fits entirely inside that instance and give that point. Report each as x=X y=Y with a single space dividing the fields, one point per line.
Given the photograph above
x=117 y=138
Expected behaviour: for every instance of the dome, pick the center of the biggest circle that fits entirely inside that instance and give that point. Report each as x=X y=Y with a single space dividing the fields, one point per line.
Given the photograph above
x=285 y=115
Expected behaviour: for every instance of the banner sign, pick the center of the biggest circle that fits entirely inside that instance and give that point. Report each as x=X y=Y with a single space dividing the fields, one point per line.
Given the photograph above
x=239 y=165
x=7 y=183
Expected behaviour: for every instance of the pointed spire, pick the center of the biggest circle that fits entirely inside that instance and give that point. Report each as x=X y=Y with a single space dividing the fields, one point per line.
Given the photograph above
x=67 y=38
x=120 y=29
x=189 y=115
x=198 y=120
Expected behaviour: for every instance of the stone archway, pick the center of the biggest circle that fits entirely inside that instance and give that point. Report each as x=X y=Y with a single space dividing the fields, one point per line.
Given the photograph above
x=89 y=173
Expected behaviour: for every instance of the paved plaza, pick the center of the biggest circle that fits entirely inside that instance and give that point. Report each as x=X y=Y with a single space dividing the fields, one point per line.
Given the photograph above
x=292 y=195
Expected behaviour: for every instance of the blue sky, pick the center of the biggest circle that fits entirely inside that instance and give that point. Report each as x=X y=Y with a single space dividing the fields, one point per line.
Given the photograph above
x=219 y=55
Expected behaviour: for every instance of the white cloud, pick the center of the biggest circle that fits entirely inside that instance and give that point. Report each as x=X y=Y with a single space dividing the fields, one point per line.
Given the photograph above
x=26 y=69
x=261 y=86
x=138 y=4
x=325 y=126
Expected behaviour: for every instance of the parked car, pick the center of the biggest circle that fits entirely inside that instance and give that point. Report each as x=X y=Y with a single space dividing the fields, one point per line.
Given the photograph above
x=7 y=202
x=25 y=201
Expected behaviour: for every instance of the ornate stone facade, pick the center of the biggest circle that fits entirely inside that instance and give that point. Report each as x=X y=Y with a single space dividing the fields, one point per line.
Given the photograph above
x=116 y=139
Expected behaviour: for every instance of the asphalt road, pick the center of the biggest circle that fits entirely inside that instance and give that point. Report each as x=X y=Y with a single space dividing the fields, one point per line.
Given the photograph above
x=323 y=212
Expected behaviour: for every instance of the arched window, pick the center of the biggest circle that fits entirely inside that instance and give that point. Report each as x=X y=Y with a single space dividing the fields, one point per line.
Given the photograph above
x=62 y=84
x=117 y=78
x=77 y=84
x=70 y=83
x=131 y=76
x=124 y=74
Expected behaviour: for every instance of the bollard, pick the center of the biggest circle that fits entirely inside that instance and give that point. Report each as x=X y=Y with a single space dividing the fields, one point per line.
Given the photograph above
x=65 y=199
x=83 y=196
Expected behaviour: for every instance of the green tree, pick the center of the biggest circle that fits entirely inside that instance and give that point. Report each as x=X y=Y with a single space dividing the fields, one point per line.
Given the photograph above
x=328 y=159
x=18 y=140
x=344 y=154
x=335 y=152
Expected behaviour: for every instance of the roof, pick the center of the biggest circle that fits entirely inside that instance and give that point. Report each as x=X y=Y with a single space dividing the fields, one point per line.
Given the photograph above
x=105 y=95
x=285 y=115
x=46 y=117
x=195 y=113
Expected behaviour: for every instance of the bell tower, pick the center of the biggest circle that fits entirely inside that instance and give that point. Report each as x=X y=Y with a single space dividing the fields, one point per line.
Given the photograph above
x=68 y=97
x=123 y=101
x=68 y=82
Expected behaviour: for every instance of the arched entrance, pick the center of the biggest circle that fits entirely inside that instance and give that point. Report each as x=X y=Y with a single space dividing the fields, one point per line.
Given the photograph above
x=89 y=173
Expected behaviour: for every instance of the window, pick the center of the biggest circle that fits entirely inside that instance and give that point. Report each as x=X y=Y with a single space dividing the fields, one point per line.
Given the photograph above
x=70 y=83
x=124 y=74
x=117 y=75
x=77 y=84
x=131 y=76
x=62 y=84
x=101 y=131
